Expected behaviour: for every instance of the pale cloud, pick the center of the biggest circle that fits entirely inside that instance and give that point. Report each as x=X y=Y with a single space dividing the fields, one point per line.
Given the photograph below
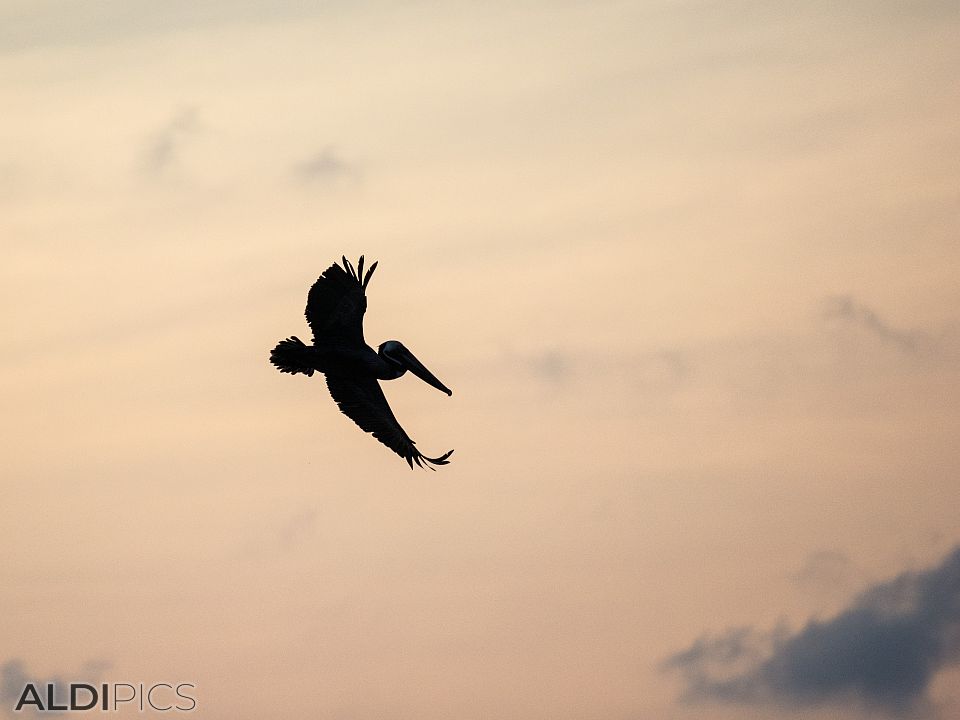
x=297 y=528
x=325 y=166
x=551 y=365
x=846 y=310
x=827 y=575
x=44 y=23
x=166 y=145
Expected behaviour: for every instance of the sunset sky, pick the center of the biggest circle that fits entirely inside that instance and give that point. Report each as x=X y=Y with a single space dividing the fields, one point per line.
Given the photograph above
x=690 y=268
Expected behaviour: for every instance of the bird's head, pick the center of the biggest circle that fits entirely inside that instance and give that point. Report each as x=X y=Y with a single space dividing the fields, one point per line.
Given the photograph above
x=396 y=354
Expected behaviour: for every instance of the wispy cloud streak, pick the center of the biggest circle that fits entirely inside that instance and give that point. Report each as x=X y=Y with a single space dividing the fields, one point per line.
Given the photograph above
x=164 y=149
x=846 y=309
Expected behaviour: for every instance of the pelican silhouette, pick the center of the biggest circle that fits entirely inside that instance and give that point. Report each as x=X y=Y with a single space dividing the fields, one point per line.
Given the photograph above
x=335 y=307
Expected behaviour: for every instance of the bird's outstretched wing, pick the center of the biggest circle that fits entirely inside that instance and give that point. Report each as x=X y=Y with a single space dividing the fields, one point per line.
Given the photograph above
x=336 y=303
x=363 y=401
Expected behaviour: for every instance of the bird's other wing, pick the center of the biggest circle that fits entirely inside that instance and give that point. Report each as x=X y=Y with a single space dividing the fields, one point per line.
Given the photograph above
x=336 y=303
x=363 y=401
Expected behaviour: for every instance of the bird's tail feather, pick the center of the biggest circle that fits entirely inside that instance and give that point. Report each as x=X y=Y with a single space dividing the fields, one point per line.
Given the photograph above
x=292 y=356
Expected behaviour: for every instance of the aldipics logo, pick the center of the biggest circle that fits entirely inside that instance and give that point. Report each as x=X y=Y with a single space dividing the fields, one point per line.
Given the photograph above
x=159 y=697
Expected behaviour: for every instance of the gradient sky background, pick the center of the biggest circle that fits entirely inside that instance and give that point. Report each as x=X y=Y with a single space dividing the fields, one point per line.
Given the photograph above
x=690 y=268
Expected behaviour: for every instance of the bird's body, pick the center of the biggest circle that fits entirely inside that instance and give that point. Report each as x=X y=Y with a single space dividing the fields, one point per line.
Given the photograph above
x=346 y=360
x=335 y=307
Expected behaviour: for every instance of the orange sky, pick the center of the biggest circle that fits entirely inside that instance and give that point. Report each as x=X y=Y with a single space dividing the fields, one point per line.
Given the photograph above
x=689 y=268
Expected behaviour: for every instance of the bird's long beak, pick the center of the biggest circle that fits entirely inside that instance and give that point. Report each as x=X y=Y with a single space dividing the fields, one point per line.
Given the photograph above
x=417 y=368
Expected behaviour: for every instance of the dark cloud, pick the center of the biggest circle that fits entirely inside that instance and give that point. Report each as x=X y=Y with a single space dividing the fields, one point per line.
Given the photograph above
x=845 y=309
x=164 y=148
x=14 y=678
x=882 y=652
x=324 y=166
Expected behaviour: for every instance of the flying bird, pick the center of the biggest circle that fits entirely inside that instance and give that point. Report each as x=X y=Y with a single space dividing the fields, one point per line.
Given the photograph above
x=335 y=307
